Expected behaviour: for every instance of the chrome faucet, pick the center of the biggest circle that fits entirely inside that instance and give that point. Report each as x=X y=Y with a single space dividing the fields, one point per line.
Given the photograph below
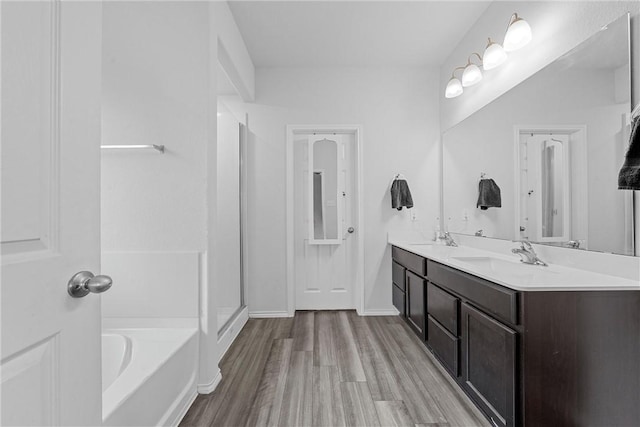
x=449 y=240
x=528 y=254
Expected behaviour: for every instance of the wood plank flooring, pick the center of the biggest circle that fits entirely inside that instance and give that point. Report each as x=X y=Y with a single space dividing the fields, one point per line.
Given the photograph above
x=332 y=368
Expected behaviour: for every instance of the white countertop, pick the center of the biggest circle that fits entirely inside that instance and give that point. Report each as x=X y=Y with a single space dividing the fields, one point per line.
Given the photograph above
x=508 y=271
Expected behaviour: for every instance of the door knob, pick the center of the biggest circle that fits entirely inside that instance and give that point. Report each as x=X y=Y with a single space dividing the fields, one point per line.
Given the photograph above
x=84 y=282
x=351 y=230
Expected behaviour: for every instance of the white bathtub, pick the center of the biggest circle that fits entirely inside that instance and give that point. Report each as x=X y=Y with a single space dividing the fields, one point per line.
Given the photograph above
x=148 y=375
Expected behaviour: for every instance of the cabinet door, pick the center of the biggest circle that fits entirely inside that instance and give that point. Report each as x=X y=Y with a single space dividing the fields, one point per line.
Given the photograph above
x=399 y=300
x=416 y=303
x=488 y=365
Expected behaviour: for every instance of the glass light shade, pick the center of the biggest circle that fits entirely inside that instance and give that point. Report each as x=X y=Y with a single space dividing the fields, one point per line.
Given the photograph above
x=518 y=34
x=494 y=56
x=471 y=75
x=454 y=88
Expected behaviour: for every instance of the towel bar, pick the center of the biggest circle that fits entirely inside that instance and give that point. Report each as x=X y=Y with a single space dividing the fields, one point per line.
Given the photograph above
x=160 y=148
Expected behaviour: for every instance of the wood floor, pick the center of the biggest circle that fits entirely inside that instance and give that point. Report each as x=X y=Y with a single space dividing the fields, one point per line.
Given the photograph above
x=331 y=368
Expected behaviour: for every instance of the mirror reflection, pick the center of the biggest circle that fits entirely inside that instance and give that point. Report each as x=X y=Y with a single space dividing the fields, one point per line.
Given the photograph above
x=553 y=145
x=324 y=198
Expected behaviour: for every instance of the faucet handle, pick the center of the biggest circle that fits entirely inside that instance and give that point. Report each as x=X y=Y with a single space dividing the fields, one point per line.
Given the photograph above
x=525 y=244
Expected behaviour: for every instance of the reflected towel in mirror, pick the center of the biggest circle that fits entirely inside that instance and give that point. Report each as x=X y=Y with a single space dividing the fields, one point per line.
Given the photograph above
x=400 y=194
x=629 y=175
x=488 y=195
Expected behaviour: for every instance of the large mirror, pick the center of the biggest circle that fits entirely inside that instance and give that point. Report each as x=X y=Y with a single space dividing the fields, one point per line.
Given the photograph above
x=541 y=162
x=324 y=198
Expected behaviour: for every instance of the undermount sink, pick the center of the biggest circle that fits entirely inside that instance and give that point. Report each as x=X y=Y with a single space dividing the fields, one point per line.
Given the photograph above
x=501 y=266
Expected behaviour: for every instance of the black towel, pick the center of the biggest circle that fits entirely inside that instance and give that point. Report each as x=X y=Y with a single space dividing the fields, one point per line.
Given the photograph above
x=400 y=194
x=488 y=195
x=629 y=176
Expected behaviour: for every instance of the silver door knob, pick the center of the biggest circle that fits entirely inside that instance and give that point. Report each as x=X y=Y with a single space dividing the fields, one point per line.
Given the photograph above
x=350 y=230
x=84 y=282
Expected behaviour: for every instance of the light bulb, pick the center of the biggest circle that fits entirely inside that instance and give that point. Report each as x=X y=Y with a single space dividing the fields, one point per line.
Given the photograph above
x=494 y=56
x=518 y=34
x=454 y=88
x=471 y=75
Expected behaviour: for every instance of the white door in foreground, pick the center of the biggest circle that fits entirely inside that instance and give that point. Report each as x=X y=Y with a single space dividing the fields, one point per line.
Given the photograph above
x=51 y=59
x=324 y=246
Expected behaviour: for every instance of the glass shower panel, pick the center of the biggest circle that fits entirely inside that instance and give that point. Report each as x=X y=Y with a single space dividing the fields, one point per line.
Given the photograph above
x=228 y=277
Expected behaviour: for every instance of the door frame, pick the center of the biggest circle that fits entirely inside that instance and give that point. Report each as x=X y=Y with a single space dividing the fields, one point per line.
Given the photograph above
x=292 y=131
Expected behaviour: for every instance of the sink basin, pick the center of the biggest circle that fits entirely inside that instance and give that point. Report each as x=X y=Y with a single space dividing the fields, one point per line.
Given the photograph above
x=503 y=267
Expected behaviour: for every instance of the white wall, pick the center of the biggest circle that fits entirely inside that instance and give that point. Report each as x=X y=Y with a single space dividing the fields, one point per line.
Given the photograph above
x=153 y=205
x=398 y=111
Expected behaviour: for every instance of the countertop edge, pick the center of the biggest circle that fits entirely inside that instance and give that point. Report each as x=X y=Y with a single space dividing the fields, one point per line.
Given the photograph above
x=466 y=268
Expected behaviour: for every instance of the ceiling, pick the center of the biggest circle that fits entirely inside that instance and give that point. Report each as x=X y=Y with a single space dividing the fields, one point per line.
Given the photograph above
x=353 y=33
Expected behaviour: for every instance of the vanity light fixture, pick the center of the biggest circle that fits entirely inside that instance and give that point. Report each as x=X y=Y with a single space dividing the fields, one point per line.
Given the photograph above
x=471 y=74
x=518 y=33
x=454 y=87
x=494 y=55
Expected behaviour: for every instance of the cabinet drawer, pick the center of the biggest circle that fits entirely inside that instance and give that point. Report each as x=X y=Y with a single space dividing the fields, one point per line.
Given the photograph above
x=495 y=299
x=444 y=345
x=413 y=262
x=398 y=275
x=443 y=307
x=399 y=300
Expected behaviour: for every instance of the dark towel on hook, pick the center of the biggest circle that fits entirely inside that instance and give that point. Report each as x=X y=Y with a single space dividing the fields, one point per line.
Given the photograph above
x=488 y=195
x=629 y=176
x=400 y=194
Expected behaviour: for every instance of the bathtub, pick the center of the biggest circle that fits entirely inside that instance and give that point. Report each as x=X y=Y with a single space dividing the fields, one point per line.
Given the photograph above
x=148 y=375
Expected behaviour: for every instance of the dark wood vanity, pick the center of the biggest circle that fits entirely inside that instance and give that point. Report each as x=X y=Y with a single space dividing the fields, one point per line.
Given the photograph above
x=537 y=358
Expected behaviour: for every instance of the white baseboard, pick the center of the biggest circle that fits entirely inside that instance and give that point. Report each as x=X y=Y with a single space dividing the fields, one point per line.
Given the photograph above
x=209 y=388
x=231 y=333
x=389 y=312
x=267 y=314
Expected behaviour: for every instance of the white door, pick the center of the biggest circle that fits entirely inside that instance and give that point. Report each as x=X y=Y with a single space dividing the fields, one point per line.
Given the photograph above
x=51 y=72
x=325 y=273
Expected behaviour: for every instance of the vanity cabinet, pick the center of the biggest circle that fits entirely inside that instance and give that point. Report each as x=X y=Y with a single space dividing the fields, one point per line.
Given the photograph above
x=409 y=283
x=527 y=357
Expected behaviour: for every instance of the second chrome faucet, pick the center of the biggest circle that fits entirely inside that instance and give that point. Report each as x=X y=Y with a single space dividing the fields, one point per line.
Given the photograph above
x=528 y=254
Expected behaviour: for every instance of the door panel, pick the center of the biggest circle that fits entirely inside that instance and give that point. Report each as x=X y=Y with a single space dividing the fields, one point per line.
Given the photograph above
x=28 y=146
x=488 y=364
x=416 y=303
x=324 y=273
x=51 y=80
